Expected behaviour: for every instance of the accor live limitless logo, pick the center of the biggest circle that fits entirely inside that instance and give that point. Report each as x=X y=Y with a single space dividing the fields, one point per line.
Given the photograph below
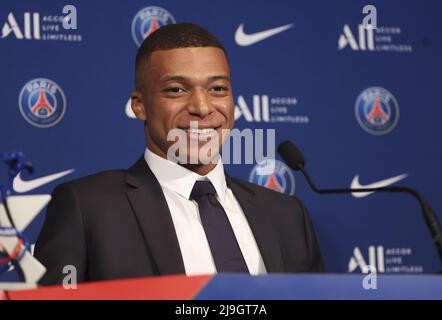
x=263 y=108
x=383 y=260
x=37 y=26
x=371 y=37
x=368 y=39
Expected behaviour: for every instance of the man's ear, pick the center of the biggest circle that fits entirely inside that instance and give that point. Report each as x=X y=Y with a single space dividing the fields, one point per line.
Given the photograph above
x=137 y=105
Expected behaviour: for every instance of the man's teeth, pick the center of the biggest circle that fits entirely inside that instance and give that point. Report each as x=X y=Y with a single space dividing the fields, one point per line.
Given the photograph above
x=201 y=131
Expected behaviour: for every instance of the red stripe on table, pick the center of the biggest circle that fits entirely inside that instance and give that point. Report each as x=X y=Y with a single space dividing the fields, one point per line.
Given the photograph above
x=155 y=288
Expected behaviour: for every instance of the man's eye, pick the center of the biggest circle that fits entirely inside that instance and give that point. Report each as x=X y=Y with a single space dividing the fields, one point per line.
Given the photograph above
x=174 y=90
x=219 y=88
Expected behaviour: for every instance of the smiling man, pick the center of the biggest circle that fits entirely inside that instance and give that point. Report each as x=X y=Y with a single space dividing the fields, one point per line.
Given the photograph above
x=176 y=214
x=175 y=86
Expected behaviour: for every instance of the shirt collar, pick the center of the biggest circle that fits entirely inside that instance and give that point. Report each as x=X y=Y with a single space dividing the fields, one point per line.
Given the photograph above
x=175 y=177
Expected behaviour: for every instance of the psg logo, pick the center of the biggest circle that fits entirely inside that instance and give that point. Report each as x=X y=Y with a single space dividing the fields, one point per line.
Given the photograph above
x=377 y=111
x=42 y=103
x=148 y=20
x=275 y=175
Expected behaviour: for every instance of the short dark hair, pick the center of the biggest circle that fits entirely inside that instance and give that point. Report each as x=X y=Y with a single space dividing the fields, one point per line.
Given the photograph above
x=174 y=36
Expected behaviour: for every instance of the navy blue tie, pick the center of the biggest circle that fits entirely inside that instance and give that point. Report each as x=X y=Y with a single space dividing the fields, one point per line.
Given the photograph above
x=219 y=233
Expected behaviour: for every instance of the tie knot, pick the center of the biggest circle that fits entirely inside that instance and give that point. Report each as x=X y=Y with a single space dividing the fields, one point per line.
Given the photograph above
x=202 y=188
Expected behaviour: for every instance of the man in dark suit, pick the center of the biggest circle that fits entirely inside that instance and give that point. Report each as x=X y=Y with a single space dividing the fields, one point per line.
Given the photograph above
x=162 y=217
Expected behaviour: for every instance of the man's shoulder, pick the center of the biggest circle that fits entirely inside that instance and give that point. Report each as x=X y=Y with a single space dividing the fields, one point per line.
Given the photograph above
x=103 y=181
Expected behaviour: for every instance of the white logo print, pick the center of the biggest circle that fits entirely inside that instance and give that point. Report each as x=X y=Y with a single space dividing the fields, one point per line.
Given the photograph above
x=31 y=23
x=379 y=184
x=383 y=260
x=21 y=186
x=243 y=39
x=366 y=36
x=260 y=109
x=369 y=39
x=375 y=254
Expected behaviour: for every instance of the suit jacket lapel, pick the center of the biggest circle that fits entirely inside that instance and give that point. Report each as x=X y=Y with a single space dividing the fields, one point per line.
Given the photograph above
x=154 y=219
x=260 y=223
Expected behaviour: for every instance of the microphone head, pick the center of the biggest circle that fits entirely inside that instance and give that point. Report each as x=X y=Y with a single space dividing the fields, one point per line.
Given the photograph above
x=291 y=155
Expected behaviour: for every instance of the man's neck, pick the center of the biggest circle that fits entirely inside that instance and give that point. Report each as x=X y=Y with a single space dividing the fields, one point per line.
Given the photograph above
x=201 y=169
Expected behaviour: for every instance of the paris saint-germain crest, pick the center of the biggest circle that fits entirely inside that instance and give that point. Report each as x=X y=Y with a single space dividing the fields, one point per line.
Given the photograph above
x=147 y=20
x=274 y=175
x=42 y=103
x=377 y=110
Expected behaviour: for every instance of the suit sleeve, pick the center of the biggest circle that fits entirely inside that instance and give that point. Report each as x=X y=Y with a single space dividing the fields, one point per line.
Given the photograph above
x=62 y=238
x=316 y=263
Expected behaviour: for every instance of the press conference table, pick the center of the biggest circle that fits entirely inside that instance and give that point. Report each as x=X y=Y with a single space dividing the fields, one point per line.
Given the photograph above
x=235 y=286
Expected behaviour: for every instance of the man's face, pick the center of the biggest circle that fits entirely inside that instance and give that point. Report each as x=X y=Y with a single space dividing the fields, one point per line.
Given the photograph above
x=184 y=85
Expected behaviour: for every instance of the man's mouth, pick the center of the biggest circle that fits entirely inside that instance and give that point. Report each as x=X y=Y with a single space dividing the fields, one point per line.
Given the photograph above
x=202 y=134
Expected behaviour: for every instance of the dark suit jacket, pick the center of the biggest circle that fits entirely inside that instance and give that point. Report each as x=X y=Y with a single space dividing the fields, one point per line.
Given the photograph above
x=116 y=224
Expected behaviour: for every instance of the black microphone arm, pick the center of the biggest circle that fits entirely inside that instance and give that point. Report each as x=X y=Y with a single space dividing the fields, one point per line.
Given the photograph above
x=295 y=160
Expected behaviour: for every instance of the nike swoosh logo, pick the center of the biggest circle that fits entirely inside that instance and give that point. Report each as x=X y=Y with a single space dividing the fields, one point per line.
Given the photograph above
x=379 y=184
x=243 y=39
x=21 y=186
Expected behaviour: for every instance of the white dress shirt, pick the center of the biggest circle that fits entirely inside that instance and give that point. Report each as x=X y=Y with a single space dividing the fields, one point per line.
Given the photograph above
x=177 y=184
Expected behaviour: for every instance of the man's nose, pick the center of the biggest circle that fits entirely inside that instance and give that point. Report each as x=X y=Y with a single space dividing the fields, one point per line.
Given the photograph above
x=200 y=104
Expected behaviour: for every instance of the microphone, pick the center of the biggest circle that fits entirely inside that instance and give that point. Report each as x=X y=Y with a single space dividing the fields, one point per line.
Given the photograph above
x=295 y=160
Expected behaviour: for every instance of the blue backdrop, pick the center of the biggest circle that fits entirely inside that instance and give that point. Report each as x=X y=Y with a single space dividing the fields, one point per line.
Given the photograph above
x=363 y=105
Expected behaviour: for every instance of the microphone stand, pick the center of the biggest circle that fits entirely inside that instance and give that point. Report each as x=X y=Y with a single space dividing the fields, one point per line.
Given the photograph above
x=429 y=216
